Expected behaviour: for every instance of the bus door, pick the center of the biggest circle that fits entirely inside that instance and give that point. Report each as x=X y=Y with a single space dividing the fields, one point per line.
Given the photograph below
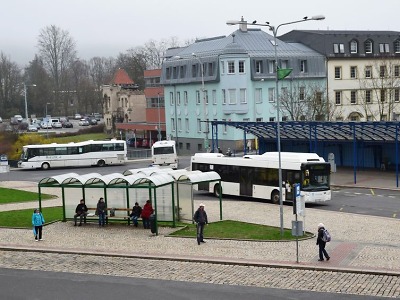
x=289 y=182
x=246 y=181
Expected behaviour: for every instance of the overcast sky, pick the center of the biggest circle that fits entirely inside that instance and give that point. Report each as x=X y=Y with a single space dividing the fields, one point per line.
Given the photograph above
x=106 y=28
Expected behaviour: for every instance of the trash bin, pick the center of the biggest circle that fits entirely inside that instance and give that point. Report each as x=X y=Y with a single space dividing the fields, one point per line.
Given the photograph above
x=153 y=224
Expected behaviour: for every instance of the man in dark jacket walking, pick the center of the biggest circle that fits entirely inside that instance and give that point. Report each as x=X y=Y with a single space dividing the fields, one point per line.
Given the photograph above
x=200 y=217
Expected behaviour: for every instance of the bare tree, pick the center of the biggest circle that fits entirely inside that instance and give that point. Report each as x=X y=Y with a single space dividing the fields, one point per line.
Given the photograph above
x=58 y=52
x=379 y=92
x=10 y=87
x=304 y=101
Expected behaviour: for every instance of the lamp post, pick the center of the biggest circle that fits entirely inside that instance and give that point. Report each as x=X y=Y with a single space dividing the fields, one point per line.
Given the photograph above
x=26 y=102
x=204 y=99
x=47 y=123
x=274 y=30
x=159 y=118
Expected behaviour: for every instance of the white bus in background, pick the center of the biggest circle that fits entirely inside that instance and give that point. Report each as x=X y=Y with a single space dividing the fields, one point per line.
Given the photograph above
x=88 y=153
x=257 y=175
x=164 y=154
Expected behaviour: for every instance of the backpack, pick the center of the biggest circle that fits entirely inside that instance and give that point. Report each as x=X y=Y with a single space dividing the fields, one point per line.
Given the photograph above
x=326 y=236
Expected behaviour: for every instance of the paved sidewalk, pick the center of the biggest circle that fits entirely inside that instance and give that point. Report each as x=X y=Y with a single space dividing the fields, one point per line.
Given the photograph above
x=363 y=244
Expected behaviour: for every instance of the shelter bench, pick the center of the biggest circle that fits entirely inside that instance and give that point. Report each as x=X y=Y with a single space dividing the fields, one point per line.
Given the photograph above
x=108 y=217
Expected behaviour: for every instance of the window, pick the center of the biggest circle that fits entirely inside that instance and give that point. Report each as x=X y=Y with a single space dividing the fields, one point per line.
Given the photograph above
x=368 y=46
x=198 y=100
x=259 y=119
x=232 y=96
x=318 y=97
x=171 y=98
x=259 y=66
x=338 y=48
x=206 y=96
x=175 y=72
x=182 y=71
x=353 y=97
x=207 y=126
x=241 y=66
x=185 y=98
x=194 y=71
x=178 y=98
x=368 y=96
x=187 y=146
x=246 y=119
x=179 y=124
x=368 y=72
x=172 y=124
x=397 y=96
x=214 y=97
x=370 y=118
x=284 y=64
x=271 y=66
x=396 y=71
x=303 y=66
x=384 y=118
x=339 y=119
x=225 y=126
x=284 y=118
x=382 y=71
x=353 y=47
x=353 y=72
x=199 y=147
x=198 y=125
x=210 y=69
x=231 y=67
x=338 y=98
x=187 y=124
x=383 y=95
x=397 y=46
x=271 y=95
x=168 y=73
x=242 y=95
x=272 y=119
x=302 y=93
x=258 y=95
x=223 y=96
x=338 y=72
x=284 y=92
x=384 y=48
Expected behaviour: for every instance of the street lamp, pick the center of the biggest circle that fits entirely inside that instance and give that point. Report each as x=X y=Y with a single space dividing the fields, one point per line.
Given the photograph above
x=159 y=118
x=274 y=30
x=47 y=123
x=26 y=102
x=204 y=99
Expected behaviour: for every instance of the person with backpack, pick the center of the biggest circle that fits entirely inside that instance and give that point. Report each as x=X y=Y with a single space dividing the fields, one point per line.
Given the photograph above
x=322 y=238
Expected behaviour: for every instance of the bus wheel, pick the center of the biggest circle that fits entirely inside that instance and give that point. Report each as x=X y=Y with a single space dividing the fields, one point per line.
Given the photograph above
x=217 y=188
x=101 y=163
x=275 y=197
x=45 y=166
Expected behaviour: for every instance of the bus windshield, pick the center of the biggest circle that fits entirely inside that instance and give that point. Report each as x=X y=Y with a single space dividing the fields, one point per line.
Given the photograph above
x=164 y=150
x=316 y=178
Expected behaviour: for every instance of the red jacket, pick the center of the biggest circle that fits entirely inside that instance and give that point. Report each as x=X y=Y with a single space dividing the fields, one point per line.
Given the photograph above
x=147 y=211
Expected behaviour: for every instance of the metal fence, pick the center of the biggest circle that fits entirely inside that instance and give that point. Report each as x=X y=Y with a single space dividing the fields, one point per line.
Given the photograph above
x=139 y=153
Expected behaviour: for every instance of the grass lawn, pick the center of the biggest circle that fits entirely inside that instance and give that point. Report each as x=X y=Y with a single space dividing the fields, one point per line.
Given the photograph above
x=12 y=196
x=82 y=137
x=23 y=218
x=239 y=230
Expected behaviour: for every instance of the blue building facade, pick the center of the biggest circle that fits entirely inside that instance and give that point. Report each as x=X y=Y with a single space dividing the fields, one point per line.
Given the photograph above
x=231 y=78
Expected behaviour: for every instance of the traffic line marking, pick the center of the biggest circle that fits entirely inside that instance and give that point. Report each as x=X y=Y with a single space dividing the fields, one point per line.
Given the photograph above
x=341 y=209
x=372 y=191
x=394 y=215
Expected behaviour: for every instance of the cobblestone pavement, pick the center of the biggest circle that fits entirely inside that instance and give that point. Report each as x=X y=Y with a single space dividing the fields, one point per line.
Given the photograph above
x=363 y=264
x=202 y=272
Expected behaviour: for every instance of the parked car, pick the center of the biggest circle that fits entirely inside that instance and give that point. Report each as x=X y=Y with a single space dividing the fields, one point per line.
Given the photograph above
x=67 y=124
x=18 y=118
x=32 y=128
x=77 y=117
x=83 y=122
x=45 y=125
x=92 y=121
x=131 y=142
x=97 y=116
x=56 y=125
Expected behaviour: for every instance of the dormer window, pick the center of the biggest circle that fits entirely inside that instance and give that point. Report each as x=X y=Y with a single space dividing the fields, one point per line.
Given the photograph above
x=338 y=48
x=384 y=48
x=368 y=46
x=397 y=46
x=353 y=47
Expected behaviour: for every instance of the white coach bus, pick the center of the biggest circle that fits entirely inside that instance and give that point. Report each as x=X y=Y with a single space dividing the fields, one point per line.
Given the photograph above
x=257 y=175
x=164 y=154
x=88 y=153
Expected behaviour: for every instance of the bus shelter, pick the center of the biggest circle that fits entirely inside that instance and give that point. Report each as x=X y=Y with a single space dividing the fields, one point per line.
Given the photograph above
x=118 y=191
x=161 y=186
x=185 y=182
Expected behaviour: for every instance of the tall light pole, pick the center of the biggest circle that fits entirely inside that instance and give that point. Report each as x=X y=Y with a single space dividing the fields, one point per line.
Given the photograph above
x=204 y=99
x=47 y=123
x=274 y=30
x=26 y=102
x=159 y=118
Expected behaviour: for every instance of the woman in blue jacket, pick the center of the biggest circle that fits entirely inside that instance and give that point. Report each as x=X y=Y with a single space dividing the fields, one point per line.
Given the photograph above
x=37 y=222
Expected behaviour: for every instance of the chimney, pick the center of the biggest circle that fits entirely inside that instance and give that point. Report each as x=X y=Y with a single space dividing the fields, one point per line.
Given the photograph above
x=243 y=25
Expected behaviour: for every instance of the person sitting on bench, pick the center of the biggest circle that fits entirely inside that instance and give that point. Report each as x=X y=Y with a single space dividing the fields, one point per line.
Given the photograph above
x=135 y=214
x=81 y=212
